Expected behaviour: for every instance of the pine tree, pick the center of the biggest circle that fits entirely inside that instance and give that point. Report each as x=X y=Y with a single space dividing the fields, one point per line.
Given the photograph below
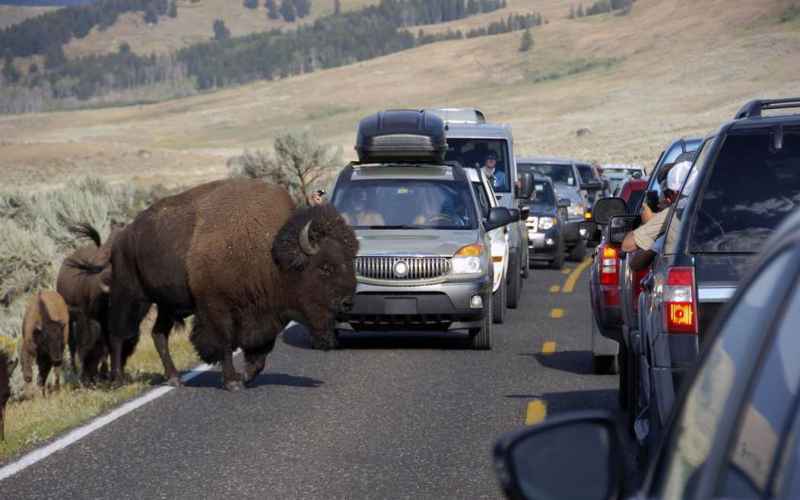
x=288 y=12
x=571 y=12
x=251 y=4
x=527 y=41
x=221 y=32
x=10 y=72
x=173 y=9
x=302 y=8
x=150 y=15
x=54 y=57
x=580 y=11
x=272 y=9
x=337 y=7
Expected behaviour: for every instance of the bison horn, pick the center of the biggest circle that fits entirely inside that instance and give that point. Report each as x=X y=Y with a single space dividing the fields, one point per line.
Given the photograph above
x=305 y=243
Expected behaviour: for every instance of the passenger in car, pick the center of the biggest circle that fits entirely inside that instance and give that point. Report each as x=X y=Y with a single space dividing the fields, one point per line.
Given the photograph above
x=361 y=210
x=644 y=237
x=496 y=177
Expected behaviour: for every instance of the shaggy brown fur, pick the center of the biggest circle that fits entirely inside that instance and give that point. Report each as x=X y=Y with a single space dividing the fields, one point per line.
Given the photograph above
x=5 y=391
x=45 y=330
x=209 y=252
x=84 y=281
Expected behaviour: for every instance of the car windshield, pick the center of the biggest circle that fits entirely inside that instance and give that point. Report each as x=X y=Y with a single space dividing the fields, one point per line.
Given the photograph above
x=753 y=186
x=406 y=204
x=544 y=194
x=485 y=153
x=559 y=173
x=621 y=173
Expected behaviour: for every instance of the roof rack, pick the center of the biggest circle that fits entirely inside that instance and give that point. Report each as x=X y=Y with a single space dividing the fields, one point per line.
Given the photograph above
x=754 y=108
x=459 y=115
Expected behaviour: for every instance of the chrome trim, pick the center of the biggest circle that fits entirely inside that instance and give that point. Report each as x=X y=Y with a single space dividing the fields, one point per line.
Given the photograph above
x=375 y=268
x=715 y=293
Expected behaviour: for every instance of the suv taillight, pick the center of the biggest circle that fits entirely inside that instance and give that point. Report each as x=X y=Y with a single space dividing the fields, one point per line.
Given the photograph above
x=680 y=306
x=609 y=265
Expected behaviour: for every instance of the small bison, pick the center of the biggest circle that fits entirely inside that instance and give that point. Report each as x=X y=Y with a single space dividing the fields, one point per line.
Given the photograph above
x=238 y=256
x=6 y=367
x=84 y=281
x=45 y=330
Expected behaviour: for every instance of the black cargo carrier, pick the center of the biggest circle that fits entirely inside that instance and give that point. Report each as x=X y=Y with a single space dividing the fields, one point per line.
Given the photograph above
x=401 y=136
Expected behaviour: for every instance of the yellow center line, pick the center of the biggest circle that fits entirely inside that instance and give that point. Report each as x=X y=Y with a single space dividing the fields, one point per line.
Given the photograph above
x=557 y=313
x=549 y=347
x=566 y=270
x=537 y=411
x=555 y=289
x=572 y=279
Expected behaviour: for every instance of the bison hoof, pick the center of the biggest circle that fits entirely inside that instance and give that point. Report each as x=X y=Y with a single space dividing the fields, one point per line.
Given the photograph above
x=234 y=386
x=324 y=343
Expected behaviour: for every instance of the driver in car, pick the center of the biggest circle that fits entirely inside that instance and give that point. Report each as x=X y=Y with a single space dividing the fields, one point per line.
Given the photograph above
x=644 y=237
x=495 y=176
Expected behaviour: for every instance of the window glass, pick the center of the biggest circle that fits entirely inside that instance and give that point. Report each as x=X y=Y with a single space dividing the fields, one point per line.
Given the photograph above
x=406 y=204
x=753 y=186
x=694 y=430
x=544 y=194
x=586 y=173
x=483 y=201
x=558 y=173
x=483 y=153
x=767 y=414
x=677 y=218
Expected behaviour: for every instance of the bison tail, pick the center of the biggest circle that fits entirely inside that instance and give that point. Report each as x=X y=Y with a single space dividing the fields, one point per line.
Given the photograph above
x=208 y=347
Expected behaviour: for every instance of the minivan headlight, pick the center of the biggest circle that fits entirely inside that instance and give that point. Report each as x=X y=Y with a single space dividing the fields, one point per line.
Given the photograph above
x=469 y=260
x=546 y=223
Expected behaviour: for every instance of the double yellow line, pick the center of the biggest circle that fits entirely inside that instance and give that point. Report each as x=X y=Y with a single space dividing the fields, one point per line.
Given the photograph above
x=536 y=411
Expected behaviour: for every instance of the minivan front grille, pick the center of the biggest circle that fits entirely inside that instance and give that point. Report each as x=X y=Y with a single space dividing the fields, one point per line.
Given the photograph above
x=391 y=268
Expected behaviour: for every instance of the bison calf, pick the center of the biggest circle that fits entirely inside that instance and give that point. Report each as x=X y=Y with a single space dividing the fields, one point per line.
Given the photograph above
x=45 y=330
x=5 y=390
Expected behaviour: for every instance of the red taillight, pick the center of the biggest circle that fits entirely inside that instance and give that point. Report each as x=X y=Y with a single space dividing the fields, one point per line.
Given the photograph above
x=609 y=265
x=680 y=307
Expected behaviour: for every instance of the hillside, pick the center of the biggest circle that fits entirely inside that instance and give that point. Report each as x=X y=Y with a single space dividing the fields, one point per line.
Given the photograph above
x=13 y=14
x=636 y=82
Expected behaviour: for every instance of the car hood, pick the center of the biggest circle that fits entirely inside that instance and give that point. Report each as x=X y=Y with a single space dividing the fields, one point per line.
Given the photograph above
x=414 y=242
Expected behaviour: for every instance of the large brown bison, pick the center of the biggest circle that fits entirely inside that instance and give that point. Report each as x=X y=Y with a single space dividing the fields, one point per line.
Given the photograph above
x=84 y=281
x=240 y=257
x=5 y=390
x=45 y=330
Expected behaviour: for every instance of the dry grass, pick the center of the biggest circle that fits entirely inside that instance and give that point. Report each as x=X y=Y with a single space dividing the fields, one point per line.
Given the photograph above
x=34 y=421
x=670 y=68
x=13 y=14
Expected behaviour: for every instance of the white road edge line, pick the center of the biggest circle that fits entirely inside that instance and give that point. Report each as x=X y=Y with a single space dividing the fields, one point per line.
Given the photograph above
x=76 y=435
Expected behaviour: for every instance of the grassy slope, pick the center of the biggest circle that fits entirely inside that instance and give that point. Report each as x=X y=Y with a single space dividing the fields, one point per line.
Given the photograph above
x=13 y=14
x=193 y=25
x=635 y=81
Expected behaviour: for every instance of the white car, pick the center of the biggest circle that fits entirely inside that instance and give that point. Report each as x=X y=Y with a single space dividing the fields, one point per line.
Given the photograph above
x=499 y=237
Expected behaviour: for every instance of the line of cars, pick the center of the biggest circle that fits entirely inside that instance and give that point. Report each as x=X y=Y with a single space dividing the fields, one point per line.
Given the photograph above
x=707 y=331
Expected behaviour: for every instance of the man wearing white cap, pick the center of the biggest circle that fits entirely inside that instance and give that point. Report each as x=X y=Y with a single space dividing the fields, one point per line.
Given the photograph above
x=645 y=236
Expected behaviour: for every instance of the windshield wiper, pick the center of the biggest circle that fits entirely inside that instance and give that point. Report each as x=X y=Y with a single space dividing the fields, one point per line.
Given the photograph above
x=403 y=226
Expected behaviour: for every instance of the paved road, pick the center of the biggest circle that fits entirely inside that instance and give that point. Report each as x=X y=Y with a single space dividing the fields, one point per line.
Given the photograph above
x=384 y=418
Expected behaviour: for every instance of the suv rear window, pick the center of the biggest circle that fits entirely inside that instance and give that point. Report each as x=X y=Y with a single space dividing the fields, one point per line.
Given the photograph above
x=558 y=172
x=752 y=188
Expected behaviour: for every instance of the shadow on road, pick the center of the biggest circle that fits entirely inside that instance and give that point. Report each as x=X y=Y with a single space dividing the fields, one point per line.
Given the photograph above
x=579 y=362
x=298 y=336
x=213 y=379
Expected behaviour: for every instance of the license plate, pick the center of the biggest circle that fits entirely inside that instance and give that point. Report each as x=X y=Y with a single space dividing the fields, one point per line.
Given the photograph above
x=400 y=306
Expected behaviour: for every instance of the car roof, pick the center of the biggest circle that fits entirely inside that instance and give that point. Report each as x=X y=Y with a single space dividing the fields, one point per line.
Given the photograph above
x=478 y=131
x=548 y=160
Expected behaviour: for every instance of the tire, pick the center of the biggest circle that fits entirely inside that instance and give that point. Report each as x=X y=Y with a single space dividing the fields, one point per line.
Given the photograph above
x=526 y=268
x=578 y=252
x=605 y=365
x=481 y=338
x=558 y=260
x=499 y=303
x=514 y=284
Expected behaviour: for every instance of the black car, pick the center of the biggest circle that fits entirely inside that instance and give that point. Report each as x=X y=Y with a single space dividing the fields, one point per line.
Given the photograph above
x=546 y=224
x=744 y=182
x=735 y=430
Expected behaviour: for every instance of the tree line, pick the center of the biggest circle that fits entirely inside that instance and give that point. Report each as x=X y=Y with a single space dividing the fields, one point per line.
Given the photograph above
x=45 y=32
x=600 y=7
x=330 y=41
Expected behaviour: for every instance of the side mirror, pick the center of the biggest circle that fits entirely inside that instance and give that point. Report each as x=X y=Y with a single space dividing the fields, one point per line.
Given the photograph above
x=515 y=213
x=606 y=208
x=592 y=186
x=574 y=456
x=621 y=225
x=524 y=212
x=498 y=217
x=526 y=186
x=564 y=203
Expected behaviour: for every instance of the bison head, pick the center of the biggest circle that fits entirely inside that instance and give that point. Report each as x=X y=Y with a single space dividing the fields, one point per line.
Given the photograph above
x=50 y=335
x=316 y=249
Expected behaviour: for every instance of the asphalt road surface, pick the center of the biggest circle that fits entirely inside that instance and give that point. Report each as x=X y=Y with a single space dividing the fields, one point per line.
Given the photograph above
x=396 y=417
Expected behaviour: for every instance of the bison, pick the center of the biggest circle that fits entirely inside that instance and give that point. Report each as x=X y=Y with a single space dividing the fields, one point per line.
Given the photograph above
x=45 y=330
x=6 y=367
x=84 y=281
x=238 y=256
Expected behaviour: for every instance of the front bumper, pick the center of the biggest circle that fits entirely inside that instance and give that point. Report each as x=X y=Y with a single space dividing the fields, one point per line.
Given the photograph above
x=544 y=245
x=432 y=307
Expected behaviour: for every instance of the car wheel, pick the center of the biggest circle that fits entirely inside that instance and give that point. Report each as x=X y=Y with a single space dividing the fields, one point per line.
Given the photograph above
x=525 y=269
x=481 y=338
x=558 y=260
x=578 y=252
x=605 y=365
x=514 y=284
x=499 y=303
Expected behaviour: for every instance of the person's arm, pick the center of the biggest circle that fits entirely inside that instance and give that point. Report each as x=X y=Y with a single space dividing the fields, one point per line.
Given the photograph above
x=647 y=214
x=629 y=243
